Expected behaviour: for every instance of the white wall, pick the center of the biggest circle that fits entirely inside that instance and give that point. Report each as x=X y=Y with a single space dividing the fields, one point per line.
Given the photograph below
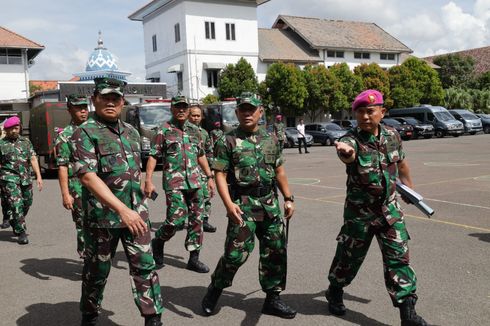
x=12 y=82
x=353 y=62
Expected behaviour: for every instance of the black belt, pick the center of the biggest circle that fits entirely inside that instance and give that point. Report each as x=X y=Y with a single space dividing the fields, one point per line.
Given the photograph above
x=260 y=191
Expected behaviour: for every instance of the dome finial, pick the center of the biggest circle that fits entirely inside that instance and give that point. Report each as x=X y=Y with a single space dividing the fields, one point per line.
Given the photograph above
x=100 y=42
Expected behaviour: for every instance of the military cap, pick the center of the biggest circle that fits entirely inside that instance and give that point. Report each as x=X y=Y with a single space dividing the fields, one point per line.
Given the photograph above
x=370 y=97
x=11 y=122
x=179 y=99
x=249 y=98
x=77 y=99
x=109 y=85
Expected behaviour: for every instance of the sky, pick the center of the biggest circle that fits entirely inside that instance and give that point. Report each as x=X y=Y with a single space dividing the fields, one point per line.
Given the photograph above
x=69 y=29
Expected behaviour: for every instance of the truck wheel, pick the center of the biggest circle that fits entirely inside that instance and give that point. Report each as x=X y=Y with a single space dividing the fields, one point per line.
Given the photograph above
x=328 y=142
x=439 y=133
x=486 y=129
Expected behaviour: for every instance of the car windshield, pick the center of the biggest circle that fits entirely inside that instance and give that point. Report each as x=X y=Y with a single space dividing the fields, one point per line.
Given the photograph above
x=443 y=116
x=469 y=116
x=332 y=126
x=152 y=116
x=228 y=113
x=391 y=122
x=412 y=121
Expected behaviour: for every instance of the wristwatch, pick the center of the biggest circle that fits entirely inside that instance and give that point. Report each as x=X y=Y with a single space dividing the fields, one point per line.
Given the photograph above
x=290 y=198
x=210 y=176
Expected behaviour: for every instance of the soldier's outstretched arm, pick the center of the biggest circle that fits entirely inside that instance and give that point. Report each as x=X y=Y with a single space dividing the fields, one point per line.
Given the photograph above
x=283 y=185
x=150 y=168
x=346 y=153
x=233 y=211
x=130 y=218
x=37 y=171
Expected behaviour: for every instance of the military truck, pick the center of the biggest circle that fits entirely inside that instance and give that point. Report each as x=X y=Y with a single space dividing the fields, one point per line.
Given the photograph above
x=223 y=112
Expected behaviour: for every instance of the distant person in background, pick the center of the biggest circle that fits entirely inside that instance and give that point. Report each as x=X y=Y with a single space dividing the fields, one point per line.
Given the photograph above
x=71 y=188
x=301 y=136
x=279 y=131
x=216 y=133
x=17 y=157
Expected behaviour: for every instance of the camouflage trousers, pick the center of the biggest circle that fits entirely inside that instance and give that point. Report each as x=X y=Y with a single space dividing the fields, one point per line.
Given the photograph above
x=281 y=144
x=100 y=247
x=17 y=200
x=354 y=240
x=75 y=188
x=182 y=205
x=206 y=213
x=239 y=244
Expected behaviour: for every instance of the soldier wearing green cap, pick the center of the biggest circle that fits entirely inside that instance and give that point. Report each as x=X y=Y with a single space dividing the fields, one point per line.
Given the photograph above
x=71 y=188
x=248 y=166
x=180 y=146
x=108 y=164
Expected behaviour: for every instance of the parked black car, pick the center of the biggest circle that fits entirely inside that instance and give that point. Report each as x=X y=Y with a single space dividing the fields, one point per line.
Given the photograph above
x=419 y=129
x=405 y=131
x=346 y=124
x=325 y=133
x=485 y=121
x=292 y=137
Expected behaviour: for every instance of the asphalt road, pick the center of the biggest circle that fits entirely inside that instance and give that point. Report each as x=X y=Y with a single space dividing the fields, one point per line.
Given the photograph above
x=40 y=282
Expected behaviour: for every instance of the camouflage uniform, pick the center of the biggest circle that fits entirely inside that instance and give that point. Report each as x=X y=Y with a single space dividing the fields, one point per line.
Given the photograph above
x=215 y=134
x=279 y=131
x=179 y=150
x=64 y=157
x=15 y=180
x=371 y=209
x=250 y=160
x=113 y=152
x=208 y=150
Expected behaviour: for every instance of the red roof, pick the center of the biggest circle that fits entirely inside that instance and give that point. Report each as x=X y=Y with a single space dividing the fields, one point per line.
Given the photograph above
x=9 y=39
x=480 y=55
x=44 y=85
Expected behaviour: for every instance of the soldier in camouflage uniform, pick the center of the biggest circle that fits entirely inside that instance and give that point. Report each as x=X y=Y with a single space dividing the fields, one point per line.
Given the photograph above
x=71 y=188
x=181 y=148
x=374 y=158
x=195 y=117
x=106 y=152
x=17 y=156
x=278 y=128
x=249 y=159
x=216 y=133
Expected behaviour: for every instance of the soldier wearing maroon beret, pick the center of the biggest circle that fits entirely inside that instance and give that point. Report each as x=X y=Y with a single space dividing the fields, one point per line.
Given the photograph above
x=374 y=159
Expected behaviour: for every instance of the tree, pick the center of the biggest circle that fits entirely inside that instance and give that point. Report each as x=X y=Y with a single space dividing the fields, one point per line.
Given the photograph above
x=374 y=77
x=324 y=91
x=455 y=70
x=236 y=79
x=210 y=99
x=350 y=84
x=483 y=81
x=286 y=87
x=404 y=91
x=457 y=98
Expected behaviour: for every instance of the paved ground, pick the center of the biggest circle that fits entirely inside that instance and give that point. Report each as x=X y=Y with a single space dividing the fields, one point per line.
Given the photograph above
x=40 y=282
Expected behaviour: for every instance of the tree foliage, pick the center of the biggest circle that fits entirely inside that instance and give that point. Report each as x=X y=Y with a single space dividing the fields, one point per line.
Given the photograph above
x=374 y=77
x=236 y=79
x=210 y=99
x=286 y=88
x=455 y=70
x=351 y=85
x=470 y=99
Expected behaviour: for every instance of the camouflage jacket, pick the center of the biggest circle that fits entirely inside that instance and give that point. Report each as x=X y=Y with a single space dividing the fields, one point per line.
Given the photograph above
x=215 y=134
x=208 y=146
x=113 y=152
x=15 y=160
x=371 y=178
x=250 y=161
x=279 y=131
x=64 y=151
x=179 y=150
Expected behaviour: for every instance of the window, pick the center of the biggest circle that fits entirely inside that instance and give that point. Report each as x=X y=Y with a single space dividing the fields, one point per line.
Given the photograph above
x=213 y=78
x=210 y=32
x=154 y=43
x=177 y=32
x=387 y=56
x=10 y=56
x=230 y=32
x=362 y=55
x=335 y=54
x=180 y=81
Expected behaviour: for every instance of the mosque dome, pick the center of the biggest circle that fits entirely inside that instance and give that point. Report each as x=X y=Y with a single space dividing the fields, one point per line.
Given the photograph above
x=101 y=58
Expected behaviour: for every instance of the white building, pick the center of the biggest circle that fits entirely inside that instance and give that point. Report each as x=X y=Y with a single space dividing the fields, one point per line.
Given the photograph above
x=17 y=54
x=187 y=42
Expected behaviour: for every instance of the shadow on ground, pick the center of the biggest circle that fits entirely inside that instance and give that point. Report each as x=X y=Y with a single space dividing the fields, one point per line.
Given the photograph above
x=63 y=313
x=7 y=235
x=481 y=236
x=189 y=298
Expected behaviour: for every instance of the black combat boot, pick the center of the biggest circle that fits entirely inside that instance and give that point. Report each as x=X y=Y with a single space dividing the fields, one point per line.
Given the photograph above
x=153 y=320
x=273 y=305
x=335 y=300
x=89 y=319
x=408 y=315
x=194 y=264
x=208 y=227
x=22 y=239
x=210 y=300
x=157 y=247
x=5 y=224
